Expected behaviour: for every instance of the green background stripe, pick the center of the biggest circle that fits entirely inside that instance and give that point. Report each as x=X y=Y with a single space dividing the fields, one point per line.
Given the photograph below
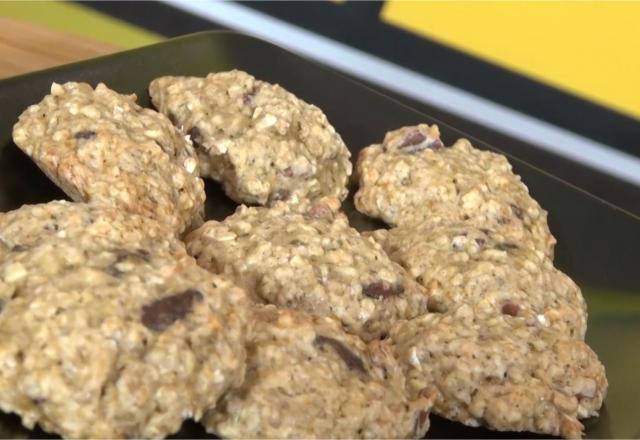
x=79 y=20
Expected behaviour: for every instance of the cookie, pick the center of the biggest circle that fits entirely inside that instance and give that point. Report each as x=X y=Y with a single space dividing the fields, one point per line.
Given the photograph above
x=260 y=141
x=34 y=224
x=412 y=177
x=307 y=257
x=107 y=340
x=501 y=373
x=460 y=264
x=307 y=378
x=101 y=147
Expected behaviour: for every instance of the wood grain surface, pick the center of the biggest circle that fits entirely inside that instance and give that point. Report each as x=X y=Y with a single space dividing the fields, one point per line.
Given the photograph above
x=25 y=47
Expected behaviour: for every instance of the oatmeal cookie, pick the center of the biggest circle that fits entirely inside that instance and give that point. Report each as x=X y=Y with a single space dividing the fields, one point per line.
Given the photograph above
x=306 y=256
x=101 y=147
x=500 y=373
x=102 y=339
x=260 y=141
x=412 y=177
x=460 y=264
x=307 y=378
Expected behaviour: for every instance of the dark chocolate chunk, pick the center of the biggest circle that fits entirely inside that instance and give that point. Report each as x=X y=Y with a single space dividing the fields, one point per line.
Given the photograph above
x=247 y=98
x=511 y=309
x=506 y=246
x=160 y=314
x=436 y=145
x=351 y=360
x=413 y=138
x=518 y=212
x=85 y=134
x=416 y=141
x=382 y=290
x=435 y=306
x=196 y=138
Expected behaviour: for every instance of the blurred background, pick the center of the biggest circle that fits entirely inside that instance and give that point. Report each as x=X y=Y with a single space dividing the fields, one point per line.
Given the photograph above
x=553 y=83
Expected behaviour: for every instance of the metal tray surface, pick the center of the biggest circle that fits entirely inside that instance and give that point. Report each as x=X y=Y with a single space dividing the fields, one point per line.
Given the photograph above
x=598 y=243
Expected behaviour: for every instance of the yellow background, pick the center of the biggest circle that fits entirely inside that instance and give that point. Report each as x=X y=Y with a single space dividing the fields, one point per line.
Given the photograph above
x=591 y=49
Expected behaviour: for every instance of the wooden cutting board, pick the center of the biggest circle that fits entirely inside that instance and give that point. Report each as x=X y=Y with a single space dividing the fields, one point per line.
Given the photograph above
x=25 y=47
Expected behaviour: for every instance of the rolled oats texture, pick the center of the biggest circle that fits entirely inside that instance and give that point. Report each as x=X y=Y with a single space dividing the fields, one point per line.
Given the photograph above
x=306 y=256
x=411 y=177
x=102 y=148
x=259 y=140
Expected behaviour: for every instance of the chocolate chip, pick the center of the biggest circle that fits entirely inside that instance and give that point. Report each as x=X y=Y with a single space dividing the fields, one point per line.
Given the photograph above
x=247 y=98
x=19 y=248
x=196 y=138
x=38 y=400
x=161 y=313
x=416 y=141
x=510 y=308
x=172 y=117
x=85 y=134
x=352 y=361
x=382 y=290
x=506 y=246
x=279 y=194
x=517 y=211
x=435 y=306
x=413 y=138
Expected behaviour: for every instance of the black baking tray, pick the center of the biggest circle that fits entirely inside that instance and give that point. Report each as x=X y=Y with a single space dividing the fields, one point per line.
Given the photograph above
x=598 y=243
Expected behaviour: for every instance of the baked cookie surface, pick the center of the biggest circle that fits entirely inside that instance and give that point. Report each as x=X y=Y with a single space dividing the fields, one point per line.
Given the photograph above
x=306 y=256
x=101 y=147
x=502 y=374
x=307 y=378
x=260 y=141
x=461 y=264
x=103 y=339
x=35 y=224
x=412 y=177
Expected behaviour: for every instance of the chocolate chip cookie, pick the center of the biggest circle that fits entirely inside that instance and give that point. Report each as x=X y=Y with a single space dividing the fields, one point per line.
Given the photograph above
x=103 y=339
x=307 y=378
x=460 y=264
x=501 y=373
x=260 y=141
x=101 y=147
x=412 y=177
x=306 y=256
